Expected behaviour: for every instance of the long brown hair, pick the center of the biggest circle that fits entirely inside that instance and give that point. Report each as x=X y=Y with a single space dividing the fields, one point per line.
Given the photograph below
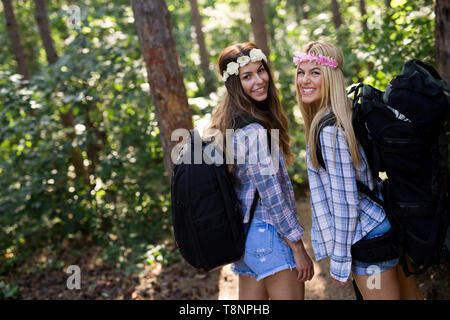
x=237 y=102
x=334 y=99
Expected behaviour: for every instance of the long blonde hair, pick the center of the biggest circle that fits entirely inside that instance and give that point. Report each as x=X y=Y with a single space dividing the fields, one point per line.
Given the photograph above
x=236 y=102
x=334 y=99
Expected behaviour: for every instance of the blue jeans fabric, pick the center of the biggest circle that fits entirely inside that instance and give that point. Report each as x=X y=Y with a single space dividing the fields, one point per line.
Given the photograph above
x=367 y=269
x=265 y=252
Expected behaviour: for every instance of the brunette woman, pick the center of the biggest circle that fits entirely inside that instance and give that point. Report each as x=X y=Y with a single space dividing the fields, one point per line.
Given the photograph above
x=275 y=264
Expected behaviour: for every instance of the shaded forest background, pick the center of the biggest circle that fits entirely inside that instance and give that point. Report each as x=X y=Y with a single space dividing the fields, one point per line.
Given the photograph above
x=83 y=139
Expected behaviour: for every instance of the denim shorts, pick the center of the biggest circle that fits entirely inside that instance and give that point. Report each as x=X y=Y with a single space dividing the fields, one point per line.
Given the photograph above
x=265 y=252
x=370 y=268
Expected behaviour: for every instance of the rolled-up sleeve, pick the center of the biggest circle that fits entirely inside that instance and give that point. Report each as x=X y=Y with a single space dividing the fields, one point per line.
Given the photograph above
x=345 y=200
x=263 y=175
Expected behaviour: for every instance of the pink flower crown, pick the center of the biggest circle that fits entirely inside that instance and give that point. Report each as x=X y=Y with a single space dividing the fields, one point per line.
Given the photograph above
x=319 y=59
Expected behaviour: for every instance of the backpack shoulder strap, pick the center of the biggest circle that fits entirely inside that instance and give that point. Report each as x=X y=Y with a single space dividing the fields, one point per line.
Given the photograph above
x=252 y=211
x=328 y=120
x=370 y=193
x=240 y=122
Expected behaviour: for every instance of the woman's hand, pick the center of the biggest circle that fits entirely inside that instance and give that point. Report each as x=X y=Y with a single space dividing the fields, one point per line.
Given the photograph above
x=303 y=262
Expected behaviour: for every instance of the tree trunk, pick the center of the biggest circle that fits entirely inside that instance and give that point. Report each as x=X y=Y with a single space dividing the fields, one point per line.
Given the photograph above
x=96 y=142
x=164 y=73
x=337 y=19
x=362 y=8
x=442 y=34
x=387 y=4
x=67 y=119
x=300 y=8
x=76 y=158
x=258 y=16
x=298 y=11
x=16 y=43
x=305 y=9
x=204 y=57
x=40 y=13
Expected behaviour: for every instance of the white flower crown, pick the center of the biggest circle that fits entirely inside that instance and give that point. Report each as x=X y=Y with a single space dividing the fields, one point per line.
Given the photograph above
x=233 y=67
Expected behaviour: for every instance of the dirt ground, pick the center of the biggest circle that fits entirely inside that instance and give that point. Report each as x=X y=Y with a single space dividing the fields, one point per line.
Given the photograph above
x=182 y=282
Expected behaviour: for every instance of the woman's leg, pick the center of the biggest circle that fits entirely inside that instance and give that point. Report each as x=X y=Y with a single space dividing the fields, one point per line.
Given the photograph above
x=250 y=289
x=386 y=287
x=283 y=285
x=408 y=286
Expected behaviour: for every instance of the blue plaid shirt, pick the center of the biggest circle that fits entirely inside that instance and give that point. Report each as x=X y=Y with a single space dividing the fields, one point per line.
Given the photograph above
x=256 y=170
x=341 y=216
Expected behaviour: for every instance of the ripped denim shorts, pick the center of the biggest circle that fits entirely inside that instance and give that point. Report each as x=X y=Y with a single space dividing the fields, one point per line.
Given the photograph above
x=265 y=252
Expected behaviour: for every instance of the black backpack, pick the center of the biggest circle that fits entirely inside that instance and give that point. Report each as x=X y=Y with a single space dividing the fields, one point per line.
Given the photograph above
x=403 y=133
x=206 y=216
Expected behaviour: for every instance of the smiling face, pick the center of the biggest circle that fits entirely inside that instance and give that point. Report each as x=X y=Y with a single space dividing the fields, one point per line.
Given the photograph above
x=309 y=82
x=254 y=80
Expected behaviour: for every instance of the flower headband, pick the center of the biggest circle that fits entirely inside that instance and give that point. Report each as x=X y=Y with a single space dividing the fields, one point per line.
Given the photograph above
x=319 y=59
x=233 y=67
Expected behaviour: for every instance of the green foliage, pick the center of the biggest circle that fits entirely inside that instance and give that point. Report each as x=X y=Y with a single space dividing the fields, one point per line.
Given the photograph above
x=8 y=291
x=407 y=32
x=100 y=79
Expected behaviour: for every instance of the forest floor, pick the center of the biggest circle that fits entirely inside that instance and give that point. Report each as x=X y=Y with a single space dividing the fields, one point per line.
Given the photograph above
x=179 y=280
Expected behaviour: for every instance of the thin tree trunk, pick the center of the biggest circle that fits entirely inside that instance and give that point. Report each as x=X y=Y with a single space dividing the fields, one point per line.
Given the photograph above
x=387 y=3
x=97 y=141
x=362 y=8
x=258 y=16
x=204 y=57
x=442 y=34
x=164 y=73
x=304 y=9
x=16 y=42
x=68 y=121
x=67 y=118
x=337 y=19
x=298 y=11
x=40 y=13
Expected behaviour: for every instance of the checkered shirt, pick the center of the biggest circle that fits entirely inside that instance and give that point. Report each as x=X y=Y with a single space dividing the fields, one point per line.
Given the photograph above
x=277 y=203
x=341 y=216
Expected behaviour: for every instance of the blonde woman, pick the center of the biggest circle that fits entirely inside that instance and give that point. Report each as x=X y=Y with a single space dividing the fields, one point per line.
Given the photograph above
x=275 y=264
x=341 y=216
